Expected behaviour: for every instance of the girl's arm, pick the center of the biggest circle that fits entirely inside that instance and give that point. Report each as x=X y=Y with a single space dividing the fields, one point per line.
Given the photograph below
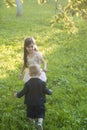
x=22 y=70
x=44 y=64
x=42 y=61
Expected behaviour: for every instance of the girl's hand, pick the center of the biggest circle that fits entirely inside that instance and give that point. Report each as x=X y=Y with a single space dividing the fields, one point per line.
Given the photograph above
x=45 y=70
x=20 y=76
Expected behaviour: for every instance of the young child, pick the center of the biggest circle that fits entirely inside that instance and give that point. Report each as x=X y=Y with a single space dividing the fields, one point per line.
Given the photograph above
x=32 y=56
x=35 y=90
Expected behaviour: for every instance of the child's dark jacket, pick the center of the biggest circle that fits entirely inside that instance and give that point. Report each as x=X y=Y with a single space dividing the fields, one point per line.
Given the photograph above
x=34 y=91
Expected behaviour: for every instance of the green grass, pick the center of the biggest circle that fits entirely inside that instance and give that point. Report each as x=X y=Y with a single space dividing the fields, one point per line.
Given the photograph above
x=66 y=57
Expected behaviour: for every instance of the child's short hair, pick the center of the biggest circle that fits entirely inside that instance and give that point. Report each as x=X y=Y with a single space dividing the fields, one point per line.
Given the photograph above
x=34 y=70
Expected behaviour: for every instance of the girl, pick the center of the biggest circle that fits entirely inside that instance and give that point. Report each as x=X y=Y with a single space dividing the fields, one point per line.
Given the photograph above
x=32 y=56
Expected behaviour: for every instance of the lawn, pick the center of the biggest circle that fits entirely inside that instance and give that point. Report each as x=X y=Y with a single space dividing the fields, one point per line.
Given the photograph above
x=66 y=57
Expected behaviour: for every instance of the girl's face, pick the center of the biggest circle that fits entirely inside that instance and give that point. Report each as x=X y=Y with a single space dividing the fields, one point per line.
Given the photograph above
x=30 y=48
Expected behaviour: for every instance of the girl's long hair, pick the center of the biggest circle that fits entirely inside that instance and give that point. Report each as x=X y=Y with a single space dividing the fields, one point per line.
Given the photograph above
x=27 y=42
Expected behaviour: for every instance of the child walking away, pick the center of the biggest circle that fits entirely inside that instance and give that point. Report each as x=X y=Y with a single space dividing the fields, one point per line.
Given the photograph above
x=35 y=90
x=32 y=56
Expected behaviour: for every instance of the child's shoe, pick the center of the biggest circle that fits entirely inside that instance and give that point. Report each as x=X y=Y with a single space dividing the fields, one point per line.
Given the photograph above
x=40 y=127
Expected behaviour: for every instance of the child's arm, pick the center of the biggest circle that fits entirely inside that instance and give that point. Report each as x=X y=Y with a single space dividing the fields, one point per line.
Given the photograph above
x=21 y=93
x=46 y=90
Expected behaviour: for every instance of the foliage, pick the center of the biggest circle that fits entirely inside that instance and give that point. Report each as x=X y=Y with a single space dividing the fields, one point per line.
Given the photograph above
x=42 y=1
x=65 y=14
x=78 y=7
x=10 y=3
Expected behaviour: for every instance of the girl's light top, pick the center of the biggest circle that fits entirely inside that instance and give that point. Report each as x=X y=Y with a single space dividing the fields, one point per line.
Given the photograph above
x=36 y=59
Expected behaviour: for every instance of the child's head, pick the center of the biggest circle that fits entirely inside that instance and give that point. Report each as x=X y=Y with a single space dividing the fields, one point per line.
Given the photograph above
x=34 y=70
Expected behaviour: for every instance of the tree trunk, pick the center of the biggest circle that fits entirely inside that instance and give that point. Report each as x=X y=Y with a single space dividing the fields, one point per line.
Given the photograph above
x=19 y=7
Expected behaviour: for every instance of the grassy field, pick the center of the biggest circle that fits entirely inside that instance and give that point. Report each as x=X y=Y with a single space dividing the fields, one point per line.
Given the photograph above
x=66 y=57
